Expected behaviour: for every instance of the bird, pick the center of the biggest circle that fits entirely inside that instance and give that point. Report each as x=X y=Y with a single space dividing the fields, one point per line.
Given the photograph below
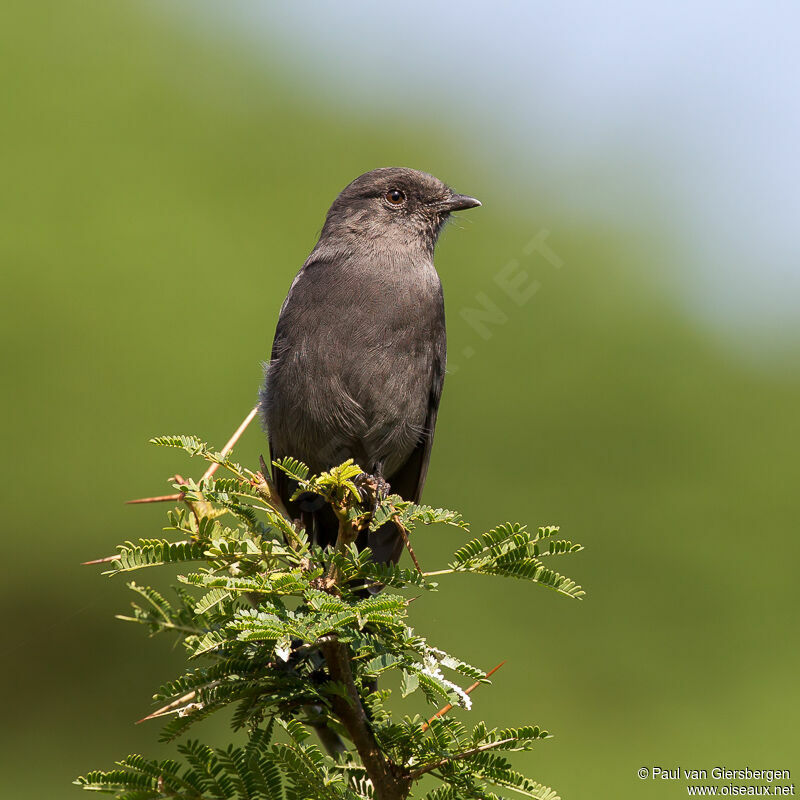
x=359 y=354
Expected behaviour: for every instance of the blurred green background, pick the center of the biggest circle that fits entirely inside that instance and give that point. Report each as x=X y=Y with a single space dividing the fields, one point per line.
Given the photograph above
x=161 y=188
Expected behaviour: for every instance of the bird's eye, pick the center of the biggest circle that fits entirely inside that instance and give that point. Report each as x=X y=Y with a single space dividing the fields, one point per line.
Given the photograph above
x=395 y=197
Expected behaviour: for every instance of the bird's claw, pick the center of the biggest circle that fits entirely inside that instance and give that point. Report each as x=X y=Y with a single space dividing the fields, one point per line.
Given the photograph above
x=373 y=490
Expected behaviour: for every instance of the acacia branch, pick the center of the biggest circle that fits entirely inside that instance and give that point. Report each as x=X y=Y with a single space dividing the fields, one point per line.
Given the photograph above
x=390 y=782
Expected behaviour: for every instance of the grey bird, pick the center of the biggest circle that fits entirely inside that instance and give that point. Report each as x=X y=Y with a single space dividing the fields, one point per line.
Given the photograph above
x=358 y=360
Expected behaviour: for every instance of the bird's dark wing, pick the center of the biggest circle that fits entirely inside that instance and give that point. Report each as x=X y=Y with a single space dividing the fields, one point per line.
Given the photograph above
x=387 y=542
x=410 y=478
x=317 y=516
x=279 y=477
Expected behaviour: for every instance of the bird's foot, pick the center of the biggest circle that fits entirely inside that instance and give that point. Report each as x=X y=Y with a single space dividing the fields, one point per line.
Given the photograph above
x=373 y=490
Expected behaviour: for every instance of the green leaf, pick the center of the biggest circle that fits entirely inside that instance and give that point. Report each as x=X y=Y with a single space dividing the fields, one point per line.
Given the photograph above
x=409 y=682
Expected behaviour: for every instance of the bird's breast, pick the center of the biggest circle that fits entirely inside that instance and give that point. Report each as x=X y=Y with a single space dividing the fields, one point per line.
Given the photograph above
x=355 y=357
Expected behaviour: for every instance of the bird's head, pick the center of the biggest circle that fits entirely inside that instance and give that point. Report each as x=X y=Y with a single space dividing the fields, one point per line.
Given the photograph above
x=394 y=205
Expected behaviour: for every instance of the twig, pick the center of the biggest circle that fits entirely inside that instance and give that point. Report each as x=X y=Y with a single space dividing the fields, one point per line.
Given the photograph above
x=100 y=560
x=176 y=706
x=231 y=442
x=407 y=540
x=418 y=773
x=164 y=498
x=171 y=708
x=442 y=711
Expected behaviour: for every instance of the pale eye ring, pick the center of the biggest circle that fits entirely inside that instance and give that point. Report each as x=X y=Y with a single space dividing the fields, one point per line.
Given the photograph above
x=395 y=197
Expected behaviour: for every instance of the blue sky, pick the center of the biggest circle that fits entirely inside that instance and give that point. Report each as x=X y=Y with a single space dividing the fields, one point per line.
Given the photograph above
x=621 y=110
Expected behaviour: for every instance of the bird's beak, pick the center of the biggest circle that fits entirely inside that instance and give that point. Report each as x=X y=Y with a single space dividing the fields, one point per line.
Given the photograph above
x=458 y=202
